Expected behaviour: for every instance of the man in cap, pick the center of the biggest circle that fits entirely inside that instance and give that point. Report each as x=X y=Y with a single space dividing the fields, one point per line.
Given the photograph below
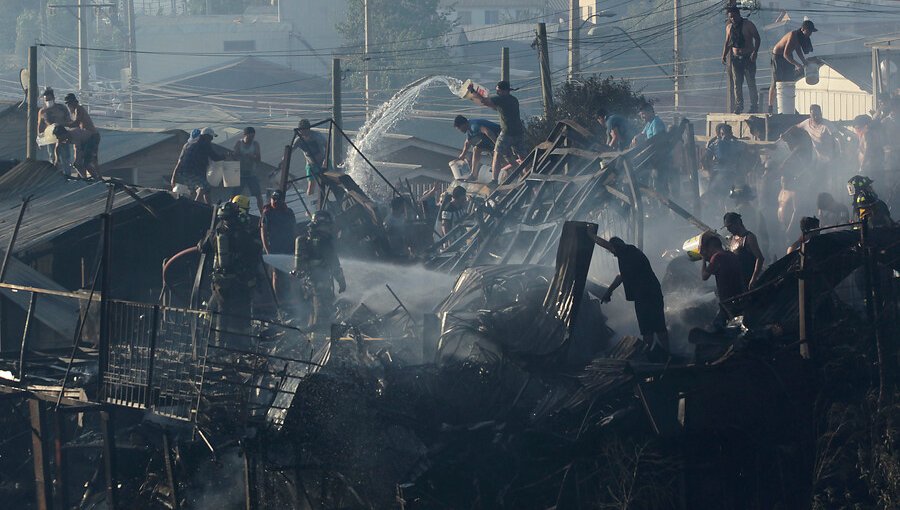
x=784 y=66
x=315 y=147
x=193 y=163
x=277 y=229
x=511 y=141
x=81 y=119
x=54 y=114
x=642 y=287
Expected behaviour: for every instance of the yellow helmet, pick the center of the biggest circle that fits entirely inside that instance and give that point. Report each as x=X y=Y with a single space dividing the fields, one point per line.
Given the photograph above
x=242 y=202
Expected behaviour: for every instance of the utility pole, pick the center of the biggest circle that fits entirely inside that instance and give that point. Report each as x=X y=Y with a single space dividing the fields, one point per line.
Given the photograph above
x=574 y=44
x=676 y=68
x=31 y=126
x=544 y=58
x=336 y=141
x=82 y=44
x=366 y=52
x=504 y=64
x=132 y=59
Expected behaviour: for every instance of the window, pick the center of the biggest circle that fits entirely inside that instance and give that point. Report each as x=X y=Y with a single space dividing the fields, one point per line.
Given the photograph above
x=491 y=17
x=464 y=17
x=240 y=46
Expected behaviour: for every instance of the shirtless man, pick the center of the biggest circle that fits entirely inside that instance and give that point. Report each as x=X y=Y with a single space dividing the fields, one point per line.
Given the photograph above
x=787 y=207
x=745 y=245
x=784 y=67
x=742 y=41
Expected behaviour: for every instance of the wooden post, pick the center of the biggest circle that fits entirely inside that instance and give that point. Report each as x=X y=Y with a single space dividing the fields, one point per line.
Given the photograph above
x=108 y=431
x=31 y=122
x=132 y=60
x=336 y=142
x=61 y=488
x=29 y=316
x=170 y=470
x=104 y=305
x=574 y=43
x=81 y=12
x=690 y=147
x=544 y=57
x=504 y=64
x=39 y=454
x=676 y=47
x=801 y=300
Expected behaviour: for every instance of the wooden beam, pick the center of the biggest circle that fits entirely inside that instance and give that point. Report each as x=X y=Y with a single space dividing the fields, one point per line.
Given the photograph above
x=39 y=454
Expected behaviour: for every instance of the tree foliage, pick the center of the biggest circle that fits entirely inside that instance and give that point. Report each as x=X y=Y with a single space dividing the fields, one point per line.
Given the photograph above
x=580 y=101
x=404 y=37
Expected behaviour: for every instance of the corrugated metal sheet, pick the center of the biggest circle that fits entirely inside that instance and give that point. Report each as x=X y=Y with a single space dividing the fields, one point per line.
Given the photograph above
x=59 y=204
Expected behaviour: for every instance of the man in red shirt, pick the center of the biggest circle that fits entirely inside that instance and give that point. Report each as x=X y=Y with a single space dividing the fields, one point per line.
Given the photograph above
x=726 y=266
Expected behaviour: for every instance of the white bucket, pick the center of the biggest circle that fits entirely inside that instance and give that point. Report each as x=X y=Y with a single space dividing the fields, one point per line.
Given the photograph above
x=459 y=168
x=464 y=92
x=784 y=96
x=812 y=73
x=226 y=174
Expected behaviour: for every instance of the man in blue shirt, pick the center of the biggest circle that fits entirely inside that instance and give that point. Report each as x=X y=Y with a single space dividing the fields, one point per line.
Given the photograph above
x=617 y=133
x=653 y=125
x=481 y=135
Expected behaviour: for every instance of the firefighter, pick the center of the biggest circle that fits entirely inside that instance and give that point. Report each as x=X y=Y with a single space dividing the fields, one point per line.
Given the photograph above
x=866 y=204
x=237 y=272
x=316 y=264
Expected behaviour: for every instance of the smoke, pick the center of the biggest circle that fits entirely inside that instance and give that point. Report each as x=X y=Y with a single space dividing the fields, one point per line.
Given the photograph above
x=219 y=486
x=420 y=289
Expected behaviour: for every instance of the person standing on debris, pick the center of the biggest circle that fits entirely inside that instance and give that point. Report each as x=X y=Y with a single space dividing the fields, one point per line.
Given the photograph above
x=726 y=267
x=453 y=209
x=618 y=135
x=784 y=67
x=237 y=273
x=194 y=162
x=277 y=231
x=510 y=143
x=866 y=204
x=316 y=263
x=823 y=136
x=745 y=245
x=81 y=119
x=54 y=114
x=653 y=125
x=247 y=151
x=743 y=197
x=742 y=42
x=808 y=229
x=315 y=147
x=481 y=135
x=830 y=212
x=871 y=146
x=722 y=161
x=642 y=287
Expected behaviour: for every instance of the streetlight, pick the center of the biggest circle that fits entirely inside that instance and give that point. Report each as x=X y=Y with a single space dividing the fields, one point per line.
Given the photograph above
x=574 y=47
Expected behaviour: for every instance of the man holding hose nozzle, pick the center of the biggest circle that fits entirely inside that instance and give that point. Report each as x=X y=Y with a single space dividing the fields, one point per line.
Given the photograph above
x=642 y=287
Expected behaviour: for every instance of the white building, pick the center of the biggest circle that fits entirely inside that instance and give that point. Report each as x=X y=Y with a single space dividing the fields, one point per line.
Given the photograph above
x=844 y=89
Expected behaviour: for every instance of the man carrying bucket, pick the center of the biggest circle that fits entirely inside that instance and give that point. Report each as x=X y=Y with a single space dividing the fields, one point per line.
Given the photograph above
x=784 y=67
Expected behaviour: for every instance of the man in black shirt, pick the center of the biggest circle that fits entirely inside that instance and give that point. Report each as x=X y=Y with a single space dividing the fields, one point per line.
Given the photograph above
x=193 y=163
x=512 y=130
x=277 y=229
x=642 y=287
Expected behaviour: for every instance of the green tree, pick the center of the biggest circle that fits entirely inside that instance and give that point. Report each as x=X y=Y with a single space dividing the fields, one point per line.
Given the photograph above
x=405 y=38
x=581 y=100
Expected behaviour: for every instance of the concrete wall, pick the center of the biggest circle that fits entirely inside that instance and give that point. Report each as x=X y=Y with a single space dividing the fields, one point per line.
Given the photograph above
x=840 y=98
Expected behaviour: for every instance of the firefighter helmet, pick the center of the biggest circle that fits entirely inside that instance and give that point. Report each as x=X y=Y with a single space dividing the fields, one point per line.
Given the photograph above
x=858 y=184
x=242 y=202
x=227 y=211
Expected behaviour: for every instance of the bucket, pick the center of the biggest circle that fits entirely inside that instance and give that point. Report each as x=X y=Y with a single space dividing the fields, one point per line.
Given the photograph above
x=459 y=168
x=464 y=92
x=812 y=73
x=784 y=95
x=692 y=247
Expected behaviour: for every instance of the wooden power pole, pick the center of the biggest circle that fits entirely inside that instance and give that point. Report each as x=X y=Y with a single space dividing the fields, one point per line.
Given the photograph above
x=504 y=64
x=336 y=140
x=676 y=46
x=544 y=57
x=574 y=43
x=31 y=119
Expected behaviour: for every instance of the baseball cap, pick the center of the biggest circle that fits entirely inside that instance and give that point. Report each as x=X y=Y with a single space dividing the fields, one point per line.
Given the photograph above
x=503 y=85
x=277 y=195
x=808 y=24
x=303 y=124
x=70 y=98
x=208 y=131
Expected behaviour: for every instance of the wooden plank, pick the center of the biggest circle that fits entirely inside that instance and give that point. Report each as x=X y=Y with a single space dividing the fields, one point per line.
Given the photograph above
x=40 y=454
